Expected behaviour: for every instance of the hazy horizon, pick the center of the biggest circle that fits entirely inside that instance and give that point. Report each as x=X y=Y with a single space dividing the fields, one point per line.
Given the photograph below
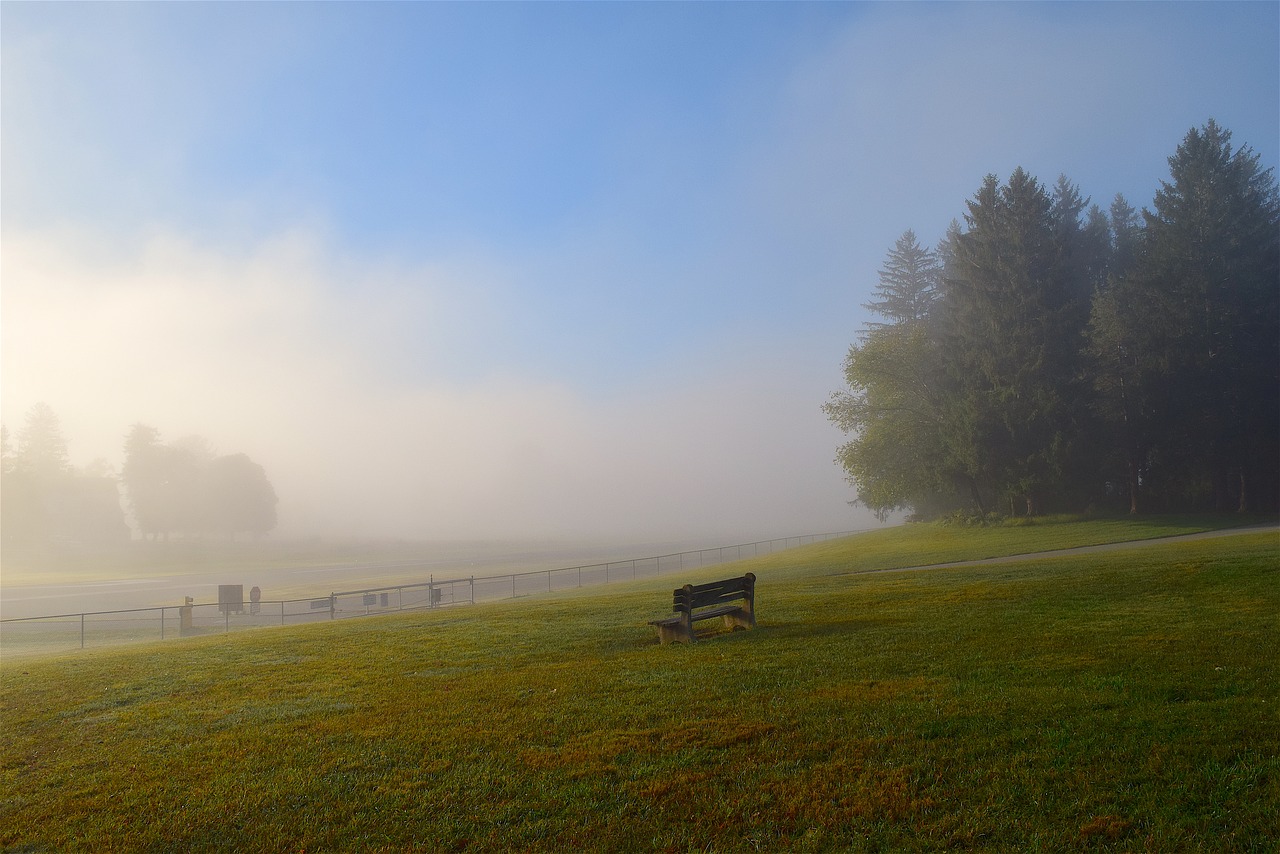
x=550 y=271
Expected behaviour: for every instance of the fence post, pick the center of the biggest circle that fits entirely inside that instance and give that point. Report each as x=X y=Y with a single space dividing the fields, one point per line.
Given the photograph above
x=548 y=581
x=513 y=585
x=82 y=631
x=333 y=606
x=282 y=612
x=162 y=624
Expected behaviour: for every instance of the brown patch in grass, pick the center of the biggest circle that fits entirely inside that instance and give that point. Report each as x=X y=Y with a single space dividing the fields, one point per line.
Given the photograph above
x=845 y=792
x=598 y=753
x=877 y=690
x=1109 y=827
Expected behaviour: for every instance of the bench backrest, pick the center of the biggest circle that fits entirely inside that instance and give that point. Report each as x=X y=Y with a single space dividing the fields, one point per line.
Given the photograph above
x=693 y=596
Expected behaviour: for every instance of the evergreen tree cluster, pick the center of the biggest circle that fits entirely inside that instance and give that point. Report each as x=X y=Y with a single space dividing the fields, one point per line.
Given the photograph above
x=1048 y=355
x=45 y=500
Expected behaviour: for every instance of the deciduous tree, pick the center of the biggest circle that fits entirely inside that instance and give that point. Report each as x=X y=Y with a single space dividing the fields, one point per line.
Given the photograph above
x=238 y=497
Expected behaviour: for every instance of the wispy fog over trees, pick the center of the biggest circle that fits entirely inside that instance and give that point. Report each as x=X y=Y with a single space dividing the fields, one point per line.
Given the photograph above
x=45 y=500
x=182 y=487
x=1049 y=355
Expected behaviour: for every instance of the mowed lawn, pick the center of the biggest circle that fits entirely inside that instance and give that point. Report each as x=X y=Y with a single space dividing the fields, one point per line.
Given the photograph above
x=1124 y=701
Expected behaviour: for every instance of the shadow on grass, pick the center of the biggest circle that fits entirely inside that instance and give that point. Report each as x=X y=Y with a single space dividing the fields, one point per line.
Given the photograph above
x=783 y=630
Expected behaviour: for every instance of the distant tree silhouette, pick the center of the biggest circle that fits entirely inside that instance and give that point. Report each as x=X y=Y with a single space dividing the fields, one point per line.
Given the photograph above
x=42 y=450
x=48 y=503
x=238 y=497
x=183 y=488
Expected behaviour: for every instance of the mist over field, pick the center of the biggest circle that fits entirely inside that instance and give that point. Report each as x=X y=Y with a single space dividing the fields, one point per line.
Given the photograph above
x=536 y=272
x=277 y=355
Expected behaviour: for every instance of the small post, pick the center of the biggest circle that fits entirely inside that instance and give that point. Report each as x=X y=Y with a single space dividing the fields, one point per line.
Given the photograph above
x=282 y=612
x=548 y=581
x=82 y=631
x=333 y=606
x=473 y=589
x=162 y=624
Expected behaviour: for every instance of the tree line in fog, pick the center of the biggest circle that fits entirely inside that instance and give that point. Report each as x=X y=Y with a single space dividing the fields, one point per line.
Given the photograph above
x=181 y=487
x=1051 y=356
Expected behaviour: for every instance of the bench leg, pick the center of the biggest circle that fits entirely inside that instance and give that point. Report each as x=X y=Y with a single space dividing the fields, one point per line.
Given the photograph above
x=739 y=619
x=681 y=632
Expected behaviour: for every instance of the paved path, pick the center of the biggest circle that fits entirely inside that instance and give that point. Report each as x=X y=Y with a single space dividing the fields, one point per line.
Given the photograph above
x=1080 y=550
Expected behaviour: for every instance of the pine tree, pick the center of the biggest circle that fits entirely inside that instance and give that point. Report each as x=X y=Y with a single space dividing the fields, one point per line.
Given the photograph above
x=908 y=283
x=1118 y=399
x=42 y=450
x=1203 y=314
x=1013 y=323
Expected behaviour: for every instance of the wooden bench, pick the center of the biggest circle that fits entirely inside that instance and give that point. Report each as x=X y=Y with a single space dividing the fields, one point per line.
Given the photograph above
x=695 y=602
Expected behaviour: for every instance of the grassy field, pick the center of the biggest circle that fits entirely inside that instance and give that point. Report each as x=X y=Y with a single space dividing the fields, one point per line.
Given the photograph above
x=182 y=557
x=1126 y=701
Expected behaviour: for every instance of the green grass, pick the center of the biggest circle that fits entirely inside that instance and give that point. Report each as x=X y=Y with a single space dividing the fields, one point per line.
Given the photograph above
x=1126 y=701
x=180 y=557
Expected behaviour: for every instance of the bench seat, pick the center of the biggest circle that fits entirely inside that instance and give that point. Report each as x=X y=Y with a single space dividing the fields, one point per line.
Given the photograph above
x=695 y=602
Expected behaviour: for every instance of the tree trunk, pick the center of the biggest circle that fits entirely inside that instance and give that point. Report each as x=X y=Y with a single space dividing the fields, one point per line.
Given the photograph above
x=1133 y=483
x=977 y=497
x=1221 y=489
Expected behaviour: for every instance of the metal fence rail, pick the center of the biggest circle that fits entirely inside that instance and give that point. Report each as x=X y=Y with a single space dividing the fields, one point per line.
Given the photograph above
x=27 y=635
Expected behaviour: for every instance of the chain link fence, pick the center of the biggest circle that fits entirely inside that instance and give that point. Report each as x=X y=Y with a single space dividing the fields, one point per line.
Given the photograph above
x=30 y=635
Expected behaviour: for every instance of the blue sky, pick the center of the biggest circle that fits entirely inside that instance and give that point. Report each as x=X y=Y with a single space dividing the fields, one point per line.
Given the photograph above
x=516 y=269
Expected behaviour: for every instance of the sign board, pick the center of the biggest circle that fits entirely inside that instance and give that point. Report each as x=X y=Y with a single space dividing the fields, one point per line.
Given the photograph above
x=231 y=598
